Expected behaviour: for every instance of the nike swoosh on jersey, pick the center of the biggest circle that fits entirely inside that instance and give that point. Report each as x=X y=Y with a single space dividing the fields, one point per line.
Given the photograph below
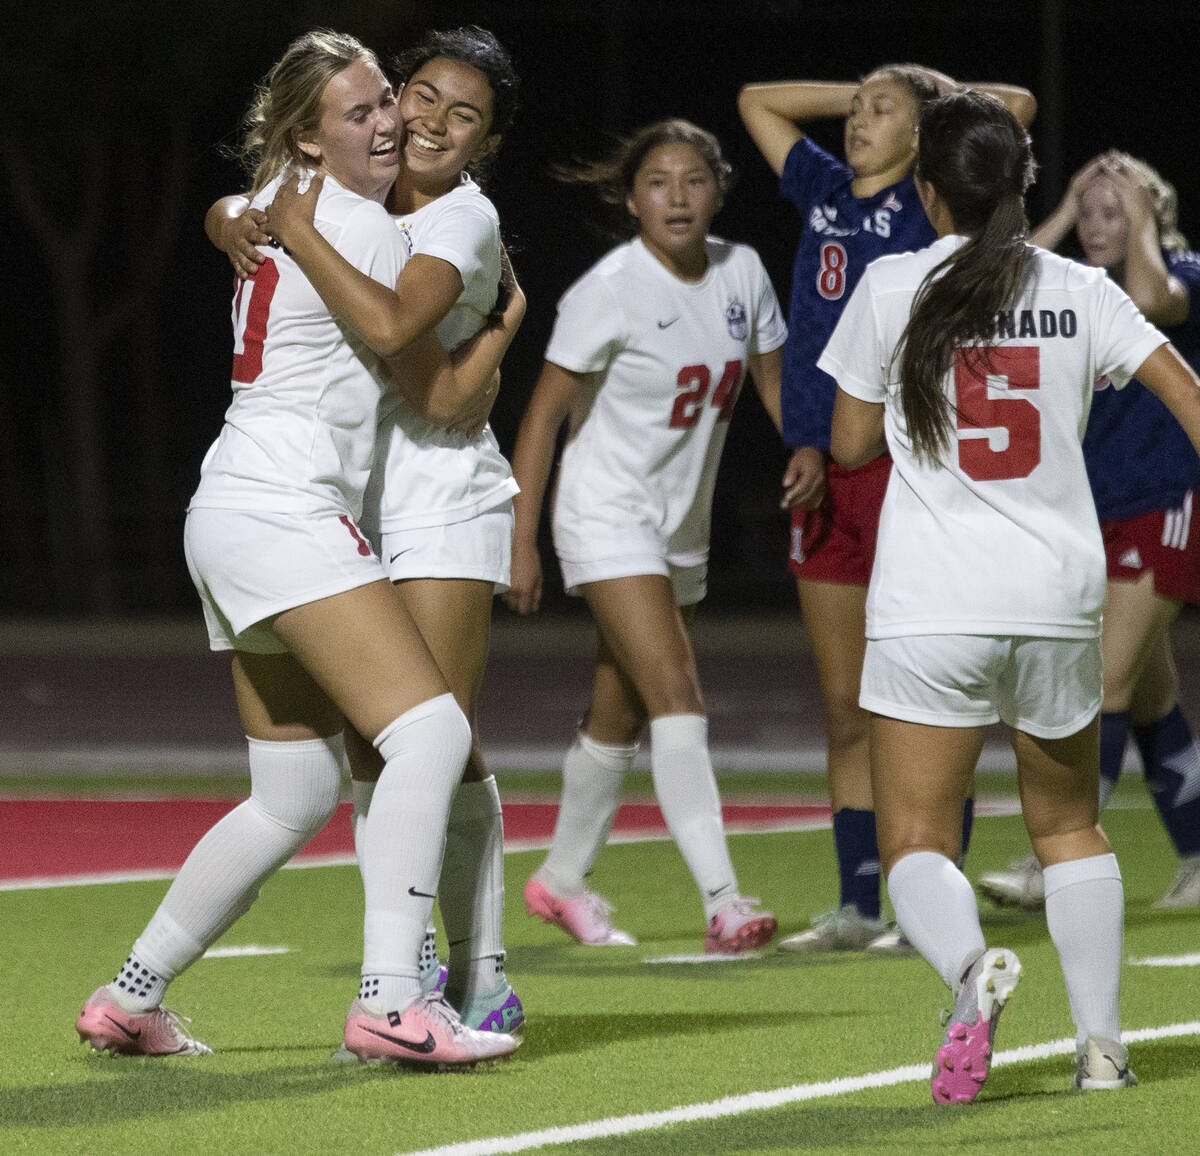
x=398 y=553
x=667 y=324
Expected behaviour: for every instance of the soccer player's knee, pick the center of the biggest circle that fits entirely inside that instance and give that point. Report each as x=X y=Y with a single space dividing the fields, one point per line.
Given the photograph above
x=298 y=788
x=438 y=723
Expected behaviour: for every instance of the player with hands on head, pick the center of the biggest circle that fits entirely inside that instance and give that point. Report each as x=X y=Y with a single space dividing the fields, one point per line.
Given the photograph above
x=648 y=354
x=438 y=508
x=974 y=361
x=290 y=587
x=853 y=211
x=1144 y=476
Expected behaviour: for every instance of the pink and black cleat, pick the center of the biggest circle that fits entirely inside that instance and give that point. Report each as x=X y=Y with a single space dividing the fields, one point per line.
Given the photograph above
x=108 y=1027
x=428 y=1033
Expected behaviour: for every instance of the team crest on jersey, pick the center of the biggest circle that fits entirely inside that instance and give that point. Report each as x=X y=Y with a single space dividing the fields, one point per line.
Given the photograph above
x=407 y=237
x=735 y=320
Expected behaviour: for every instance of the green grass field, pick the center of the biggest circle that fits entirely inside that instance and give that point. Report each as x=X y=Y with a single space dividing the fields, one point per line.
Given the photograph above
x=608 y=1033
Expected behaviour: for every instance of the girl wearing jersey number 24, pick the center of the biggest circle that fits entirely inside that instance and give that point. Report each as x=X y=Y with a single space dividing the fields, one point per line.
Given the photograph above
x=853 y=212
x=1145 y=478
x=438 y=508
x=318 y=634
x=974 y=362
x=648 y=354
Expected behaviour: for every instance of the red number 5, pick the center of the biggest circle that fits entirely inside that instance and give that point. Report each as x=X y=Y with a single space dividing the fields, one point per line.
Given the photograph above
x=999 y=436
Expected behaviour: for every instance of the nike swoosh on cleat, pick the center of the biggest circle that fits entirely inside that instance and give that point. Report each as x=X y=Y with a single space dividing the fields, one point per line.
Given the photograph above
x=423 y=894
x=123 y=1028
x=423 y=1047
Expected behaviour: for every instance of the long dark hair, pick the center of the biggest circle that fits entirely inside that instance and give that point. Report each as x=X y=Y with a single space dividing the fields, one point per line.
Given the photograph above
x=978 y=158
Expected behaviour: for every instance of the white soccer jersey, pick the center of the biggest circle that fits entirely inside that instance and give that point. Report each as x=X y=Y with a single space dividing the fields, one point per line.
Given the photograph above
x=300 y=434
x=667 y=360
x=426 y=476
x=1003 y=539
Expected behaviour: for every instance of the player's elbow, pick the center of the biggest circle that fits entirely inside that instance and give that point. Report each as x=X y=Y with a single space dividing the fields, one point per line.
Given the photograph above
x=851 y=449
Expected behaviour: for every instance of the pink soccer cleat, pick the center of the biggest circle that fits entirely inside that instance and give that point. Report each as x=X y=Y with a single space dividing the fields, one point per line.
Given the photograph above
x=740 y=926
x=428 y=1033
x=108 y=1027
x=587 y=919
x=964 y=1059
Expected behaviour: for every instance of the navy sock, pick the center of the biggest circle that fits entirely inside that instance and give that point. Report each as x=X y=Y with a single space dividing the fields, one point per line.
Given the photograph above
x=1114 y=732
x=1172 y=766
x=858 y=859
x=967 y=823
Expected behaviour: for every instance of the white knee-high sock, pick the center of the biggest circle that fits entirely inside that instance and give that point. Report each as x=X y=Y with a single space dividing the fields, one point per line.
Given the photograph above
x=424 y=751
x=361 y=792
x=1085 y=915
x=936 y=909
x=294 y=790
x=471 y=891
x=593 y=774
x=687 y=793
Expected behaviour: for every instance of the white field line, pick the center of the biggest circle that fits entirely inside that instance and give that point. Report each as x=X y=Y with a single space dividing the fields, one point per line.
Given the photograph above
x=244 y=949
x=1192 y=960
x=758 y=1101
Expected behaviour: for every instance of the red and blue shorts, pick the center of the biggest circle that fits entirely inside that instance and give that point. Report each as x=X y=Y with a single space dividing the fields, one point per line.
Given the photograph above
x=1161 y=543
x=836 y=541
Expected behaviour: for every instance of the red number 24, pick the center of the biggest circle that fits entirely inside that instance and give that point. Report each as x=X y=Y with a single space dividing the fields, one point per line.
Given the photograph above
x=693 y=382
x=982 y=418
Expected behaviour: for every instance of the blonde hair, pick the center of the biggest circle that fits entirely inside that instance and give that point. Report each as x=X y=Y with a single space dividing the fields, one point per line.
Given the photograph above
x=288 y=101
x=1166 y=201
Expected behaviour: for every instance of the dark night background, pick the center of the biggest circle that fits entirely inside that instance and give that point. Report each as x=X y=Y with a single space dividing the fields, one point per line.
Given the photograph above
x=117 y=311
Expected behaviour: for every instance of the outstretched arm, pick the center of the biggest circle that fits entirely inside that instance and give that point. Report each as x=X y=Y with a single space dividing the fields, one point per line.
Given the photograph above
x=532 y=460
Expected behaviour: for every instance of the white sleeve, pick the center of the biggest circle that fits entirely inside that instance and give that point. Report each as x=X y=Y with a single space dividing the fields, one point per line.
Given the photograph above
x=1123 y=337
x=590 y=328
x=370 y=242
x=770 y=331
x=854 y=356
x=467 y=237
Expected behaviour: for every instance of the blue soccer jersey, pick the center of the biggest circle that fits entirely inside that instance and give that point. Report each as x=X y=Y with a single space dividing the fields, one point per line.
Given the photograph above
x=1138 y=458
x=841 y=235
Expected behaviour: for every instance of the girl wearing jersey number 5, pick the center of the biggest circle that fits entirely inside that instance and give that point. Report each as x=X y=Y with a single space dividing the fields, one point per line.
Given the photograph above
x=974 y=362
x=647 y=357
x=290 y=587
x=853 y=212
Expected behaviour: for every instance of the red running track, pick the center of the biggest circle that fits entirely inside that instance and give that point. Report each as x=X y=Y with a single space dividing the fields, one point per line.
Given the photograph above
x=57 y=838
